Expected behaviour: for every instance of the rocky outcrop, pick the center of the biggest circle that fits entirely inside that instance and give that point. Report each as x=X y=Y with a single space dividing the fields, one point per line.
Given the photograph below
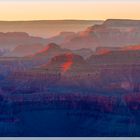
x=112 y=33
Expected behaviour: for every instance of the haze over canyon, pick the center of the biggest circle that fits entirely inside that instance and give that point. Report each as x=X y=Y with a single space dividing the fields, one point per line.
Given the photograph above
x=70 y=78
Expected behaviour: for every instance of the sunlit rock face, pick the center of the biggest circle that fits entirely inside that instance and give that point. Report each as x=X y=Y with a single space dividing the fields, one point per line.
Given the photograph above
x=45 y=54
x=46 y=28
x=51 y=49
x=106 y=50
x=67 y=62
x=92 y=90
x=75 y=92
x=112 y=33
x=131 y=48
x=119 y=57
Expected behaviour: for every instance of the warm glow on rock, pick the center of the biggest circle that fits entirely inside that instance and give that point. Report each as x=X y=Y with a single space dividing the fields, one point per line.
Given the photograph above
x=103 y=51
x=67 y=65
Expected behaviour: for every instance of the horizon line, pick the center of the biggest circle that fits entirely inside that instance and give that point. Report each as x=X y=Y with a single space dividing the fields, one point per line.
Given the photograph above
x=25 y=20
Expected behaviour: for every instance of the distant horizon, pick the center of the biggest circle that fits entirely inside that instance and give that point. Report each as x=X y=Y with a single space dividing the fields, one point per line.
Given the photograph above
x=68 y=20
x=57 y=20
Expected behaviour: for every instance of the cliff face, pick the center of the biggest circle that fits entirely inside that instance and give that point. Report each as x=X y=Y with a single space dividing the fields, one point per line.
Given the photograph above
x=122 y=23
x=112 y=33
x=61 y=92
x=67 y=63
x=115 y=57
x=46 y=28
x=51 y=50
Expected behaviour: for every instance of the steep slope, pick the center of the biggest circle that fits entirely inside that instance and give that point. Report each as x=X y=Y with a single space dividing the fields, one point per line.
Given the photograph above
x=122 y=23
x=118 y=57
x=67 y=62
x=112 y=33
x=46 y=28
x=61 y=37
x=105 y=50
x=50 y=50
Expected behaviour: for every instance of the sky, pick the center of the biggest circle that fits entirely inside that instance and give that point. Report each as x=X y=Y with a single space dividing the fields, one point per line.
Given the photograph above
x=69 y=9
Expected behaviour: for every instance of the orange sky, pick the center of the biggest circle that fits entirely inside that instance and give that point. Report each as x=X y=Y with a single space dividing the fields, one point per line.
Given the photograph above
x=62 y=9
